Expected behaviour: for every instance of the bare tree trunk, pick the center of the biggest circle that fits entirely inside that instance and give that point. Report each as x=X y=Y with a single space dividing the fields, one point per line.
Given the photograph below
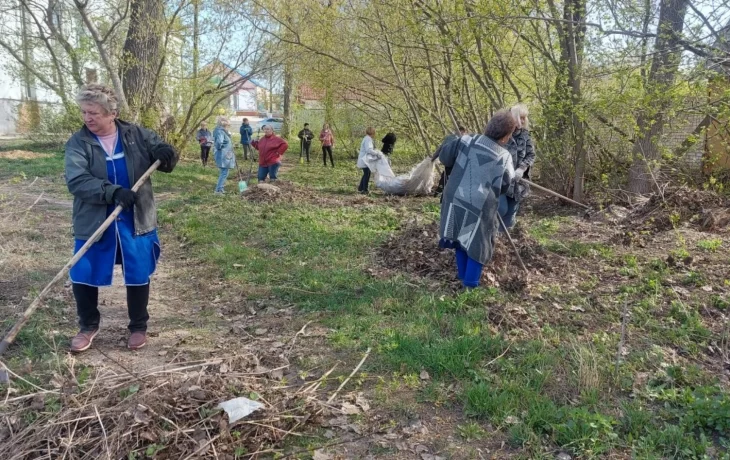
x=271 y=92
x=28 y=78
x=287 y=101
x=575 y=12
x=142 y=54
x=329 y=103
x=650 y=120
x=196 y=33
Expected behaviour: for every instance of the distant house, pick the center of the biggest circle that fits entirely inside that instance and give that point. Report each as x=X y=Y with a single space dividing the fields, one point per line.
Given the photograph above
x=249 y=99
x=309 y=97
x=247 y=96
x=312 y=98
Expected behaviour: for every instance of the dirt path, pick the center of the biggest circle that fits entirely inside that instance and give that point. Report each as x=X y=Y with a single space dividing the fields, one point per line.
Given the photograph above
x=193 y=315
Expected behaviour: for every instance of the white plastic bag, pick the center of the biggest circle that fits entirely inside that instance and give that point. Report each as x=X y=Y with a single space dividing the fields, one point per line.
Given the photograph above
x=418 y=182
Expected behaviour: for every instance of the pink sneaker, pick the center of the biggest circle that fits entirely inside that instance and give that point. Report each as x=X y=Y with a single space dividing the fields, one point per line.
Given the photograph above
x=137 y=340
x=83 y=340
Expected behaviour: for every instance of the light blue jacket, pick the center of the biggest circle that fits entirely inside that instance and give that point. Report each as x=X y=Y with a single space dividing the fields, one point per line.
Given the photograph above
x=224 y=157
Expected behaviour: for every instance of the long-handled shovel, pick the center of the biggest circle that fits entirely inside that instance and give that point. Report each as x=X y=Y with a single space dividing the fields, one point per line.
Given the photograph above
x=10 y=336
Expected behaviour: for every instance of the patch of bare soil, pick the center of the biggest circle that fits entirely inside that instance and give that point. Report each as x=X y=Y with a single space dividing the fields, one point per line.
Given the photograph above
x=21 y=155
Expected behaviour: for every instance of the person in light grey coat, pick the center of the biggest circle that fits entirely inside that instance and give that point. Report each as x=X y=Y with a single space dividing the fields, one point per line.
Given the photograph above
x=224 y=157
x=523 y=157
x=482 y=171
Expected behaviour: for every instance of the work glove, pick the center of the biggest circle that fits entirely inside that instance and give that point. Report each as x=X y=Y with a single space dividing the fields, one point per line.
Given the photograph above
x=519 y=172
x=163 y=152
x=124 y=197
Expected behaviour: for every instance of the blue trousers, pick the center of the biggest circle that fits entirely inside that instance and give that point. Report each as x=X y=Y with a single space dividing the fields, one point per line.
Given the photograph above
x=508 y=208
x=222 y=176
x=468 y=269
x=271 y=171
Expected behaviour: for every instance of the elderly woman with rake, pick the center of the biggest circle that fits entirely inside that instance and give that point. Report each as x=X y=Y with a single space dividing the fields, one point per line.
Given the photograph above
x=103 y=160
x=482 y=171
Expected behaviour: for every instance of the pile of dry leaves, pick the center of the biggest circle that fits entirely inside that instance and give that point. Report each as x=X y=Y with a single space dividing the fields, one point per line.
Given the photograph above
x=273 y=193
x=414 y=249
x=677 y=206
x=167 y=413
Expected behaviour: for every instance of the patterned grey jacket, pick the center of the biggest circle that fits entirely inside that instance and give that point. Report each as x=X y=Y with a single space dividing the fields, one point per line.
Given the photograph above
x=482 y=171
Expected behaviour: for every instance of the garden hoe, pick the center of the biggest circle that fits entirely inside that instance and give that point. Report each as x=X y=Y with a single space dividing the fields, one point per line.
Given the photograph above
x=13 y=332
x=243 y=184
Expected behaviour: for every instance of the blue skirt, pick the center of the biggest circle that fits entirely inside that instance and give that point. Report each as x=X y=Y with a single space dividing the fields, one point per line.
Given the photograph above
x=138 y=255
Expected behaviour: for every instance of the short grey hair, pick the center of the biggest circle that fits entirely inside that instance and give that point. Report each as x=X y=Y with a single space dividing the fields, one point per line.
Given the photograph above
x=102 y=95
x=501 y=124
x=518 y=111
x=223 y=120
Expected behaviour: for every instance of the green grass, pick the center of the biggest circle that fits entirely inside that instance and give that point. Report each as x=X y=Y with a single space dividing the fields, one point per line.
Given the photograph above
x=554 y=388
x=316 y=257
x=20 y=170
x=710 y=245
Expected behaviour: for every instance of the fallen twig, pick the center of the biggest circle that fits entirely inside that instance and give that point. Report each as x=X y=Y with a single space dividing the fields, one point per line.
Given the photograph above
x=200 y=449
x=354 y=371
x=103 y=431
x=495 y=359
x=314 y=385
x=293 y=339
x=622 y=340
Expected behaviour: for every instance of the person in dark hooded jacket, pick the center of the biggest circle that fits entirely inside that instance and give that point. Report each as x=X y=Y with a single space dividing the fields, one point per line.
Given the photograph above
x=305 y=138
x=388 y=143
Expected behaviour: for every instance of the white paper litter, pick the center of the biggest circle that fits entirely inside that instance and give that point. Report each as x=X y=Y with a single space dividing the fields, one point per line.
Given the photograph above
x=238 y=408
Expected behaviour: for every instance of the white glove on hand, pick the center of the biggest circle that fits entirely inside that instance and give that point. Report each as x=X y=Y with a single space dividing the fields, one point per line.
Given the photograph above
x=519 y=172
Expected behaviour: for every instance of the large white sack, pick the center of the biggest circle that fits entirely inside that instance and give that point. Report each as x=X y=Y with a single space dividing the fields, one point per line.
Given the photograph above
x=419 y=181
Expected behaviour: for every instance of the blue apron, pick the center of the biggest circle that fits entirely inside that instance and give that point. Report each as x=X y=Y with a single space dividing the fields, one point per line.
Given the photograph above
x=118 y=244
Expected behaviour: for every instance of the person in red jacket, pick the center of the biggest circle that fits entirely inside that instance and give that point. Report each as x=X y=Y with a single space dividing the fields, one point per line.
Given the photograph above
x=271 y=148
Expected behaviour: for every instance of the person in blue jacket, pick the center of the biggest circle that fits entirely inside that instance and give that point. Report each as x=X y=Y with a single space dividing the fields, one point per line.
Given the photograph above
x=224 y=157
x=246 y=135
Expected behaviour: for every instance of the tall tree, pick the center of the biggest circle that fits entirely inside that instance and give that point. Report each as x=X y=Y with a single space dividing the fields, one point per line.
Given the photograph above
x=651 y=116
x=196 y=37
x=142 y=55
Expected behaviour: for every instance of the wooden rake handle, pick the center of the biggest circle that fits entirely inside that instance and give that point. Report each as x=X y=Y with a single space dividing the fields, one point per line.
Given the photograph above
x=556 y=194
x=13 y=332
